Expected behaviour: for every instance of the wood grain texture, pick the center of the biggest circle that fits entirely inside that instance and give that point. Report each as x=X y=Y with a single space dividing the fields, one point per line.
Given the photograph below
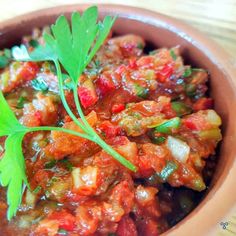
x=215 y=18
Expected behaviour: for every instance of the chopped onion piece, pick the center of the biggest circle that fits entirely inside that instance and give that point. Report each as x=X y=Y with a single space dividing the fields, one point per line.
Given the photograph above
x=213 y=118
x=178 y=148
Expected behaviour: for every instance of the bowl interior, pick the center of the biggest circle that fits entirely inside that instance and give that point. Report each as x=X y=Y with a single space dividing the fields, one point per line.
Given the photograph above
x=159 y=32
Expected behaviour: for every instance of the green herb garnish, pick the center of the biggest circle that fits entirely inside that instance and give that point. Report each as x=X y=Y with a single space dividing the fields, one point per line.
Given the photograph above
x=73 y=49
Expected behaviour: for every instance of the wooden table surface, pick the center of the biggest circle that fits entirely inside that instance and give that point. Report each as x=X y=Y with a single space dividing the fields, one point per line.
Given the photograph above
x=216 y=18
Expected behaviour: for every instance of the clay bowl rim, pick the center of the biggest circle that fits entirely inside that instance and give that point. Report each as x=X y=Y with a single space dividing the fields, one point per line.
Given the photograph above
x=218 y=57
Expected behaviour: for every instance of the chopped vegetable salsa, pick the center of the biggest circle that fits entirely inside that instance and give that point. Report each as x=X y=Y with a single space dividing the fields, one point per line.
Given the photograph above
x=150 y=108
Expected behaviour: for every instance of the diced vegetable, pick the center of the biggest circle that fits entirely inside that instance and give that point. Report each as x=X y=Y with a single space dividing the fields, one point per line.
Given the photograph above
x=167 y=171
x=141 y=91
x=116 y=108
x=178 y=148
x=5 y=58
x=181 y=108
x=37 y=189
x=144 y=195
x=87 y=93
x=213 y=118
x=65 y=219
x=187 y=72
x=202 y=120
x=85 y=180
x=173 y=55
x=39 y=84
x=20 y=102
x=190 y=89
x=214 y=134
x=105 y=84
x=158 y=139
x=168 y=126
x=3 y=61
x=203 y=104
x=165 y=73
x=30 y=198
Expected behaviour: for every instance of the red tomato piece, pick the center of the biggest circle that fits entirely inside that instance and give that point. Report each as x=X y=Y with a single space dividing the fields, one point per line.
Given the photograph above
x=165 y=73
x=87 y=97
x=168 y=111
x=105 y=84
x=121 y=69
x=196 y=121
x=145 y=62
x=41 y=177
x=28 y=71
x=123 y=196
x=126 y=227
x=203 y=104
x=109 y=129
x=38 y=116
x=132 y=63
x=116 y=108
x=65 y=219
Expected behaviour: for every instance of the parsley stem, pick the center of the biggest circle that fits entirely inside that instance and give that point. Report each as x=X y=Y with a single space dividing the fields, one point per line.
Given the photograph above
x=63 y=98
x=80 y=112
x=49 y=128
x=108 y=149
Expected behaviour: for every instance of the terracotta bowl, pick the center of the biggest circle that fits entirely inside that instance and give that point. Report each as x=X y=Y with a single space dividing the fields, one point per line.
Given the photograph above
x=163 y=31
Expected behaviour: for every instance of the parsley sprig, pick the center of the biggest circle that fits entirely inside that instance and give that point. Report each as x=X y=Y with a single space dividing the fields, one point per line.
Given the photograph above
x=71 y=47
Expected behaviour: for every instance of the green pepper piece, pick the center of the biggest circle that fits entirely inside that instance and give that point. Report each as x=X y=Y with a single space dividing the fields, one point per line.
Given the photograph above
x=167 y=171
x=33 y=43
x=198 y=185
x=181 y=108
x=50 y=164
x=141 y=91
x=187 y=72
x=37 y=189
x=167 y=126
x=20 y=102
x=190 y=89
x=62 y=232
x=158 y=140
x=39 y=84
x=173 y=55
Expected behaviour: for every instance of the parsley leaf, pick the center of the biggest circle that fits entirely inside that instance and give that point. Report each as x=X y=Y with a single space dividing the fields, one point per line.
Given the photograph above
x=75 y=49
x=41 y=53
x=12 y=171
x=8 y=121
x=71 y=48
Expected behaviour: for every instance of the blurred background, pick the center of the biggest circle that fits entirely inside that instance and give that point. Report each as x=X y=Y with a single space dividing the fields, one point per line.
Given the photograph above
x=216 y=18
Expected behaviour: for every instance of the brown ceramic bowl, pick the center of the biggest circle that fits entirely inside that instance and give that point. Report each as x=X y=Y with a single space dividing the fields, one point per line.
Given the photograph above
x=163 y=31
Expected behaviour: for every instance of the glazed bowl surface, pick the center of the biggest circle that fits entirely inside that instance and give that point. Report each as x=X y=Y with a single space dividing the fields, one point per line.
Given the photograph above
x=162 y=31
